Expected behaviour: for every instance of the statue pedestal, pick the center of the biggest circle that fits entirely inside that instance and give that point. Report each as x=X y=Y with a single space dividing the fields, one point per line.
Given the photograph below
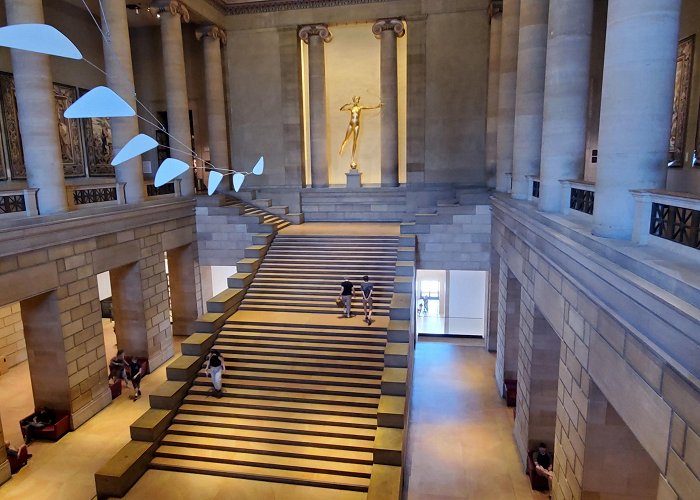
x=354 y=179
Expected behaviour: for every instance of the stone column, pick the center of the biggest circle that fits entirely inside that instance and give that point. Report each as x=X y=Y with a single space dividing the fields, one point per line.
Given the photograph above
x=496 y=16
x=387 y=30
x=182 y=269
x=565 y=98
x=212 y=37
x=529 y=96
x=120 y=78
x=172 y=12
x=506 y=94
x=636 y=108
x=315 y=36
x=36 y=110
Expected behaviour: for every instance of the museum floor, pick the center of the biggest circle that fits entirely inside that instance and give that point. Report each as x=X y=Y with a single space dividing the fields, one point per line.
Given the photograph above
x=461 y=444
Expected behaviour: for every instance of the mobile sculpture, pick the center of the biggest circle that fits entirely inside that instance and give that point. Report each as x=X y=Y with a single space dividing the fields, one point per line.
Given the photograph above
x=103 y=102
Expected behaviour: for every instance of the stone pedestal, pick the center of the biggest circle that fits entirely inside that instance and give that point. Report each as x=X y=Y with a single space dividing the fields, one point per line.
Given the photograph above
x=354 y=179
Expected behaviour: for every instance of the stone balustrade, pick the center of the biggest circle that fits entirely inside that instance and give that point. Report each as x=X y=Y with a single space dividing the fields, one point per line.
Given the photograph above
x=577 y=195
x=103 y=193
x=18 y=203
x=533 y=187
x=171 y=189
x=674 y=217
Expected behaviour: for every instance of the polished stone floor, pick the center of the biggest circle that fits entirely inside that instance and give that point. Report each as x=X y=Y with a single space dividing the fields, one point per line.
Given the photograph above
x=460 y=444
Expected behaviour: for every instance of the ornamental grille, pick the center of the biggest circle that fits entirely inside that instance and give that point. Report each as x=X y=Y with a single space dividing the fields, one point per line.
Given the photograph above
x=535 y=189
x=94 y=195
x=168 y=188
x=582 y=200
x=678 y=224
x=12 y=203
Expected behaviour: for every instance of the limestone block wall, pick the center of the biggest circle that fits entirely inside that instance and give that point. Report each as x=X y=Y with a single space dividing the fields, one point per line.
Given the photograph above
x=454 y=241
x=221 y=238
x=608 y=338
x=50 y=268
x=13 y=349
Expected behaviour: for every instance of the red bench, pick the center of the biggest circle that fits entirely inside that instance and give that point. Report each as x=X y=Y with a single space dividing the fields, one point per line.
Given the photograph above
x=16 y=463
x=510 y=390
x=51 y=432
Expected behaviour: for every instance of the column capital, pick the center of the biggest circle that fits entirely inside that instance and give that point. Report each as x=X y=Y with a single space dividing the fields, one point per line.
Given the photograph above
x=212 y=31
x=391 y=24
x=174 y=7
x=495 y=8
x=321 y=30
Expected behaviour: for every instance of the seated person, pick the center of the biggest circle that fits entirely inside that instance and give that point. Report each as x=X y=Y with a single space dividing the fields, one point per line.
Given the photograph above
x=135 y=374
x=12 y=451
x=544 y=464
x=40 y=419
x=17 y=457
x=117 y=368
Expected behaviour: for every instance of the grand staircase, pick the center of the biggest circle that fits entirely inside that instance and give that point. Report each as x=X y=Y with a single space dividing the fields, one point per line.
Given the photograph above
x=302 y=389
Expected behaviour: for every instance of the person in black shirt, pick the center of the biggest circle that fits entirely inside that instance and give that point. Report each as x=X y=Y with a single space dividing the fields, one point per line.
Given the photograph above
x=215 y=368
x=135 y=375
x=543 y=463
x=346 y=295
x=117 y=368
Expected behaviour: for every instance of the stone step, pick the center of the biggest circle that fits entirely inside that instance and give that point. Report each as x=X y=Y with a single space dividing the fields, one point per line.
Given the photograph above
x=325 y=258
x=274 y=426
x=233 y=326
x=248 y=265
x=280 y=415
x=273 y=404
x=311 y=360
x=240 y=280
x=310 y=440
x=302 y=352
x=284 y=336
x=252 y=306
x=261 y=448
x=265 y=365
x=288 y=249
x=232 y=380
x=183 y=463
x=263 y=239
x=309 y=380
x=278 y=209
x=326 y=328
x=306 y=344
x=300 y=298
x=295 y=291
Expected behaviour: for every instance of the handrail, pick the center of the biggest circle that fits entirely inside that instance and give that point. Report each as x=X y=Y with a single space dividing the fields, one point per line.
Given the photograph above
x=578 y=195
x=667 y=215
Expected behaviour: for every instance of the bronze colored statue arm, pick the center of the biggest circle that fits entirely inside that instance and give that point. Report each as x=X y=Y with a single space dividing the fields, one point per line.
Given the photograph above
x=372 y=107
x=346 y=107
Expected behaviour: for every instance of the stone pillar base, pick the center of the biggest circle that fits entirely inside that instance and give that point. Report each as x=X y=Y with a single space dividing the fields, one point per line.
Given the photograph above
x=5 y=473
x=354 y=179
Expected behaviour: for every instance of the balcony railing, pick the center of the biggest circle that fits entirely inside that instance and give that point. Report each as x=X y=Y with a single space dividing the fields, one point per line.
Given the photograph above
x=18 y=203
x=107 y=193
x=674 y=217
x=533 y=187
x=170 y=189
x=577 y=195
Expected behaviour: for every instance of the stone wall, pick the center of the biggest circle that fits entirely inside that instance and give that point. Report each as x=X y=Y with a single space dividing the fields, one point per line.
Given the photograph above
x=608 y=337
x=50 y=268
x=12 y=346
x=222 y=236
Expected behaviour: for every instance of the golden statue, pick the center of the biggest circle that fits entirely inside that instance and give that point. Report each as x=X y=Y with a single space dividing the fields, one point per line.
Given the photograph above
x=354 y=125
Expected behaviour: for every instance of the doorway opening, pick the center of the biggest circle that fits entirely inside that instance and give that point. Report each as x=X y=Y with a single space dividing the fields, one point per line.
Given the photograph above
x=451 y=303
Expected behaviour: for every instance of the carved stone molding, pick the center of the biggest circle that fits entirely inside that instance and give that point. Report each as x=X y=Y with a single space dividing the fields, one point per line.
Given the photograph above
x=175 y=7
x=495 y=8
x=261 y=6
x=393 y=24
x=212 y=31
x=320 y=30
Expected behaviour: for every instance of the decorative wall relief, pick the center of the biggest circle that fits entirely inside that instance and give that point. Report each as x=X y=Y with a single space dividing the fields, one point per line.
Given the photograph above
x=681 y=101
x=68 y=132
x=97 y=133
x=11 y=135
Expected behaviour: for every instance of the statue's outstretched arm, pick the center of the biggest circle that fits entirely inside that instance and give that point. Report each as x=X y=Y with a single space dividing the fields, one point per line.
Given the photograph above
x=345 y=107
x=373 y=107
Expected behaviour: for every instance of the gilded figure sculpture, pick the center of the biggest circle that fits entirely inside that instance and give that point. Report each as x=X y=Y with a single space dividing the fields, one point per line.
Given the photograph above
x=353 y=129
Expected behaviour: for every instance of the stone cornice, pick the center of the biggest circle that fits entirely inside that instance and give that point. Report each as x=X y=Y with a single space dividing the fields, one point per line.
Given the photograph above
x=320 y=30
x=212 y=31
x=175 y=7
x=392 y=24
x=281 y=5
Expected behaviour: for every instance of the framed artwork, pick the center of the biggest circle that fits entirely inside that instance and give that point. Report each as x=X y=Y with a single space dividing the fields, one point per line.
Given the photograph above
x=11 y=134
x=97 y=133
x=681 y=101
x=68 y=132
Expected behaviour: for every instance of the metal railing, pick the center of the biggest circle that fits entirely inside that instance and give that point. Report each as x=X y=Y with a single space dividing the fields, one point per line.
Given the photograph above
x=577 y=195
x=668 y=216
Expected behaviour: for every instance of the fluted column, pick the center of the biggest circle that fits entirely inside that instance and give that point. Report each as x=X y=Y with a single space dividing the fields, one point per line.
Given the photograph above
x=496 y=16
x=565 y=98
x=212 y=37
x=36 y=109
x=172 y=13
x=120 y=78
x=529 y=94
x=315 y=36
x=636 y=108
x=506 y=94
x=387 y=30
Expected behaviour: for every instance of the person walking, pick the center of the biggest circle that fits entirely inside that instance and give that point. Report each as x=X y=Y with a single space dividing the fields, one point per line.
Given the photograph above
x=215 y=368
x=367 y=289
x=346 y=295
x=135 y=374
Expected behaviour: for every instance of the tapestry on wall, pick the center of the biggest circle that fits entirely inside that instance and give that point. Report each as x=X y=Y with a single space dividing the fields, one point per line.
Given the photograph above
x=97 y=133
x=681 y=101
x=68 y=132
x=10 y=129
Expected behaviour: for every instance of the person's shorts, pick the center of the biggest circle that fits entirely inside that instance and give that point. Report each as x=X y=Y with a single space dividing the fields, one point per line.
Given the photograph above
x=367 y=301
